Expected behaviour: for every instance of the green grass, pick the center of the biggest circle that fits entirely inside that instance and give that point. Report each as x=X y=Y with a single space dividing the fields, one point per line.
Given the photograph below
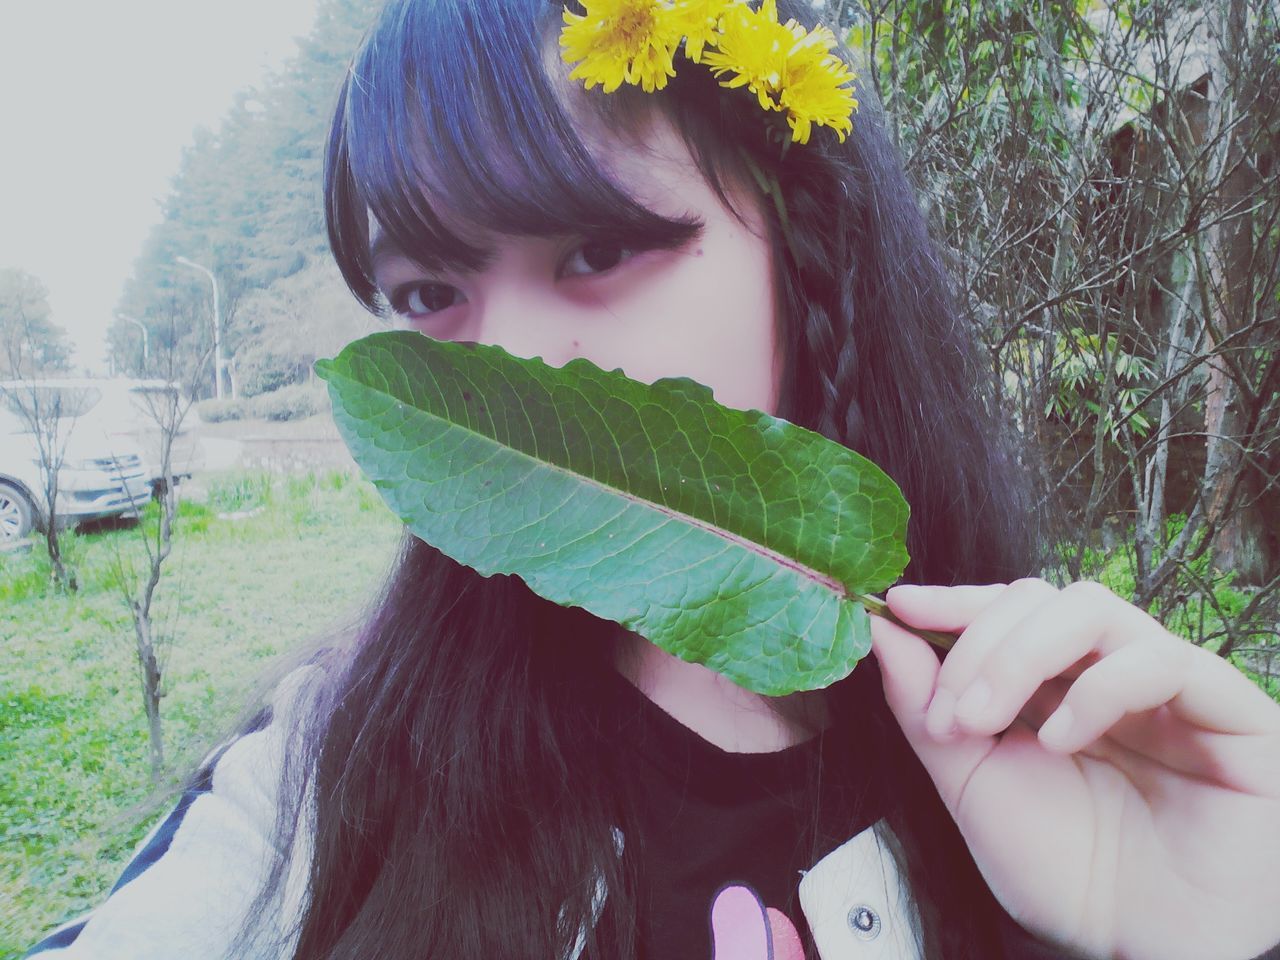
x=258 y=569
x=296 y=559
x=1209 y=601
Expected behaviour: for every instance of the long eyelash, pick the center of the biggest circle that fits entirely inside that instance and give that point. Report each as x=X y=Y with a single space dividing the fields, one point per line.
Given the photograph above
x=647 y=241
x=383 y=309
x=402 y=291
x=393 y=310
x=635 y=244
x=386 y=309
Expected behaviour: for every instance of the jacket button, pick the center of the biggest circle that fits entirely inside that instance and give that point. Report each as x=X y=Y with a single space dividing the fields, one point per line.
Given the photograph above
x=864 y=922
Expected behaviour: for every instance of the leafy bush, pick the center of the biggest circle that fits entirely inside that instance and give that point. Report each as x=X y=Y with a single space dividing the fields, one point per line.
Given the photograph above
x=368 y=499
x=263 y=370
x=216 y=411
x=1206 y=607
x=293 y=402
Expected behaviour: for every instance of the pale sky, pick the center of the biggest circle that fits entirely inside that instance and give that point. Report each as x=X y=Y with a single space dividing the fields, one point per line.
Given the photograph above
x=97 y=100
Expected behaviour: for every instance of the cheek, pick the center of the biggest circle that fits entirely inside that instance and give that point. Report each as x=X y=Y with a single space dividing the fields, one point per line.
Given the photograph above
x=713 y=320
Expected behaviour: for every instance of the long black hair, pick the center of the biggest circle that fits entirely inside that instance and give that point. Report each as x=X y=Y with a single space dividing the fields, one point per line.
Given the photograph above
x=460 y=800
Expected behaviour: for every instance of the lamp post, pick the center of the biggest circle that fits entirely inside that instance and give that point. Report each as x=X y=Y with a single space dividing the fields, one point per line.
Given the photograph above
x=217 y=325
x=146 y=339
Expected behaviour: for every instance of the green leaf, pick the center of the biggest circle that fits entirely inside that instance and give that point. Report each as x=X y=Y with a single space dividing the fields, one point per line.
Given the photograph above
x=729 y=538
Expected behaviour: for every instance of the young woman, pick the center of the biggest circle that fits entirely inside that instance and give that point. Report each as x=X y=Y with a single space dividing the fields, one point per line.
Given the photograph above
x=481 y=773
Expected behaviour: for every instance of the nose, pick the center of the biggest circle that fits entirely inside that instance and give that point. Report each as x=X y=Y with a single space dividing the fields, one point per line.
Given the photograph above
x=527 y=325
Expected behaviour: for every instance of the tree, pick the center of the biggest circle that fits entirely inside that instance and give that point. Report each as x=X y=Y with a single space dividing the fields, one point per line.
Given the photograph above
x=137 y=572
x=31 y=344
x=1104 y=178
x=246 y=200
x=1240 y=277
x=49 y=413
x=294 y=321
x=34 y=345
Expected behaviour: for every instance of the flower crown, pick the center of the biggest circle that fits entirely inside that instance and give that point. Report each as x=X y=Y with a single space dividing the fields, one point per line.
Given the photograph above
x=790 y=70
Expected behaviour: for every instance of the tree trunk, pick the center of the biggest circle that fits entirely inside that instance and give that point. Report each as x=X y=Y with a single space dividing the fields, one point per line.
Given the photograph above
x=1232 y=487
x=149 y=668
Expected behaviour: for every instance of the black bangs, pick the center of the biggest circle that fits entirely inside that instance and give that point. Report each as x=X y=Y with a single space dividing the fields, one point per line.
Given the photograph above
x=449 y=128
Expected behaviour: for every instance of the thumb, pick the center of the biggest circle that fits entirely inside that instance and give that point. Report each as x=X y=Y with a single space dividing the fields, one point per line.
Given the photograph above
x=909 y=670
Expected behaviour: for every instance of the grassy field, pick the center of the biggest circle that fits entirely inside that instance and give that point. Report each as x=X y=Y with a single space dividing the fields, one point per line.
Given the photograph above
x=257 y=569
x=260 y=566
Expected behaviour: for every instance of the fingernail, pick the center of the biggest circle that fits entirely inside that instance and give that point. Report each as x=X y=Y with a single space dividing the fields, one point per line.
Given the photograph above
x=939 y=720
x=974 y=700
x=906 y=590
x=1057 y=728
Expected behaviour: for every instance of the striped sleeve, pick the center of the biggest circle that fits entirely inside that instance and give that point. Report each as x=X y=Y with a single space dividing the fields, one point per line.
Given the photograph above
x=189 y=886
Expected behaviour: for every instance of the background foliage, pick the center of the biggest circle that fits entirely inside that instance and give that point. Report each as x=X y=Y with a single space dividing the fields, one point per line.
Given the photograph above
x=31 y=343
x=246 y=204
x=1103 y=176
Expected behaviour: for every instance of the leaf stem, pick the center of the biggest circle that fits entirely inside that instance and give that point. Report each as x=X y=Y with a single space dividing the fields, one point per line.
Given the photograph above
x=878 y=608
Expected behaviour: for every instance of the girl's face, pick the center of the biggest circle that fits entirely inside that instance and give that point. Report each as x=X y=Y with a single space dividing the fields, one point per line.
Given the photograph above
x=705 y=310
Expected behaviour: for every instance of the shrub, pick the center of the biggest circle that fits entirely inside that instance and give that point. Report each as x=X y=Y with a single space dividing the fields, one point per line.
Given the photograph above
x=216 y=411
x=289 y=403
x=262 y=370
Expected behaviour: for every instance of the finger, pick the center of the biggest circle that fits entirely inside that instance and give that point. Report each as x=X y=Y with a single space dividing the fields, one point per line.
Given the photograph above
x=987 y=627
x=1086 y=622
x=950 y=609
x=1220 y=698
x=1147 y=746
x=1136 y=678
x=1045 y=701
x=1082 y=622
x=908 y=669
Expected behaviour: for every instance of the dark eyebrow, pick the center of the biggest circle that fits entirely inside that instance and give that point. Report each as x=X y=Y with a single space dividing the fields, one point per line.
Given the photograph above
x=384 y=247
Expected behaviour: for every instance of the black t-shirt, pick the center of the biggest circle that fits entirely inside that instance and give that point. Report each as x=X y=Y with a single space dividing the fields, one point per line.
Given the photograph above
x=710 y=820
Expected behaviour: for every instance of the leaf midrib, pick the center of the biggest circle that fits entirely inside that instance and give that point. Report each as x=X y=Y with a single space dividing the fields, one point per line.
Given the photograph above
x=830 y=583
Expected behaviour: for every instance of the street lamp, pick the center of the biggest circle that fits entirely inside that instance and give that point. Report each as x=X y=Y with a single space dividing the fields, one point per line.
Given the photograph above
x=146 y=349
x=217 y=325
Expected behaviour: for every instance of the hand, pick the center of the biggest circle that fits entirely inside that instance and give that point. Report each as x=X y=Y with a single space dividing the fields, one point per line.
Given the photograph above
x=1142 y=820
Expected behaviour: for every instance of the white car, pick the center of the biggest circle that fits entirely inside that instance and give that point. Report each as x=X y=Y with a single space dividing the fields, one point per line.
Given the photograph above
x=139 y=411
x=100 y=475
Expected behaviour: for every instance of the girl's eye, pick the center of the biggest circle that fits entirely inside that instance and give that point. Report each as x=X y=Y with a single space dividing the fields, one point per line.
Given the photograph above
x=417 y=300
x=421 y=299
x=596 y=256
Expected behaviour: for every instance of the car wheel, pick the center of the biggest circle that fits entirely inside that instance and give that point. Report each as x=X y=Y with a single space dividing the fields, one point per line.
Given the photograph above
x=16 y=513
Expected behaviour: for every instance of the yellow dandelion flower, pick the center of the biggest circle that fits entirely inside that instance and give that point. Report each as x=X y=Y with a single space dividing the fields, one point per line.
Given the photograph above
x=699 y=22
x=753 y=48
x=617 y=41
x=787 y=67
x=819 y=92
